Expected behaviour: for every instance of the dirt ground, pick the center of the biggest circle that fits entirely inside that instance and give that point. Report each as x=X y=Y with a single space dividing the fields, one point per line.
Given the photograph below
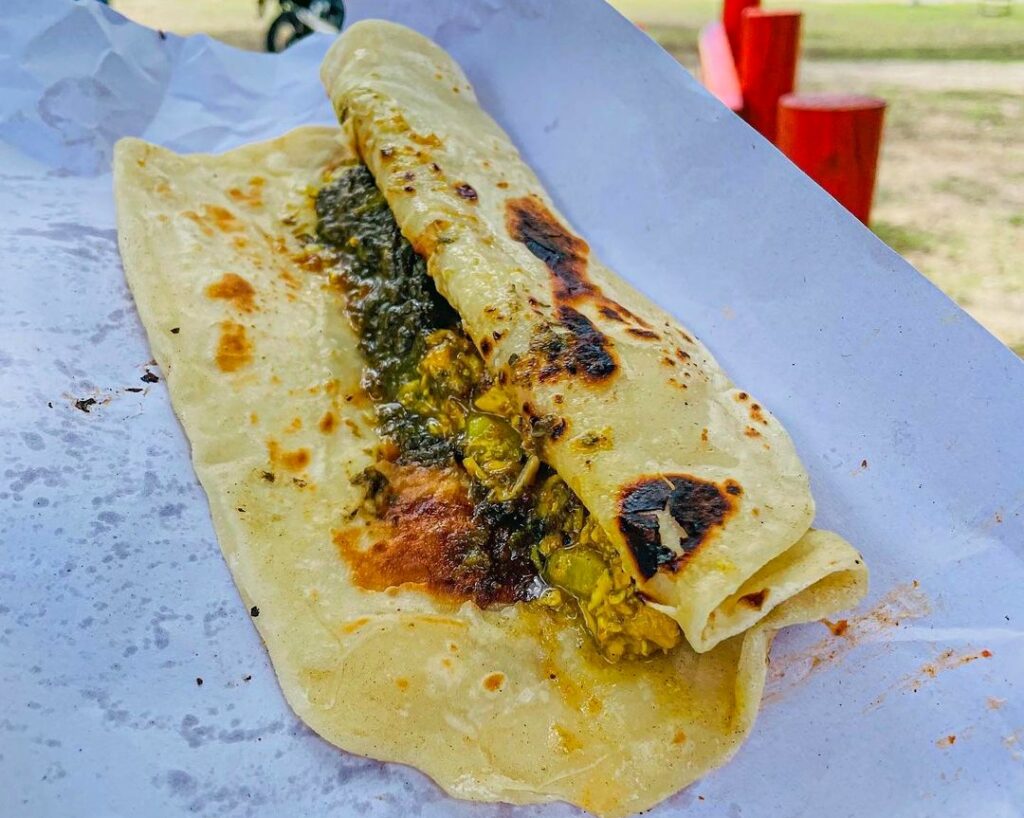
x=950 y=193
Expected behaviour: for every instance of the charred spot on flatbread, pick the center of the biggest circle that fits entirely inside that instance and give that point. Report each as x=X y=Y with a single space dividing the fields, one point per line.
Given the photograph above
x=251 y=195
x=697 y=506
x=282 y=459
x=573 y=347
x=643 y=333
x=755 y=600
x=234 y=349
x=530 y=222
x=612 y=310
x=611 y=313
x=467 y=192
x=589 y=351
x=234 y=289
x=215 y=219
x=328 y=423
x=430 y=534
x=565 y=255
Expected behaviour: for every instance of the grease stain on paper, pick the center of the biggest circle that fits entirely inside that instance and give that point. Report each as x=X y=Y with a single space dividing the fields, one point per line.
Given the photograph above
x=1012 y=743
x=949 y=659
x=901 y=603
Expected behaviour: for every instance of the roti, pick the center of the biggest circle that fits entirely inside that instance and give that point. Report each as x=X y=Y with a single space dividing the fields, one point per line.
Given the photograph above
x=482 y=527
x=692 y=479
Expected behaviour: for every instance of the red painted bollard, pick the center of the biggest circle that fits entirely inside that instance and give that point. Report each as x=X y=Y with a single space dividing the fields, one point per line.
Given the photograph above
x=732 y=19
x=767 y=64
x=717 y=67
x=834 y=139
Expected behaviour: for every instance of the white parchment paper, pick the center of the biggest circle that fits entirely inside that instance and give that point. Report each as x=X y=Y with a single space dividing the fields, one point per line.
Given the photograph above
x=114 y=599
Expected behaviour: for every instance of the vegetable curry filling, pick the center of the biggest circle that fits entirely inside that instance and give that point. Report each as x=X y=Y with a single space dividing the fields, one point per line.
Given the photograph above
x=525 y=535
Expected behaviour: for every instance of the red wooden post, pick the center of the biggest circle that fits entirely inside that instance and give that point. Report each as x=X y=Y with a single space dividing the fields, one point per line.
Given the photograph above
x=834 y=139
x=767 y=64
x=732 y=19
x=717 y=67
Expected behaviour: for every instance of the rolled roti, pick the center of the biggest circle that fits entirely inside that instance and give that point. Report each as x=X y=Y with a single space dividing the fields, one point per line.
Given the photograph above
x=693 y=480
x=494 y=699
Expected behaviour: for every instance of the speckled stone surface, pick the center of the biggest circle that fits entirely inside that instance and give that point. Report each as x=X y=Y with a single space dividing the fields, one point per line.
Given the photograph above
x=131 y=682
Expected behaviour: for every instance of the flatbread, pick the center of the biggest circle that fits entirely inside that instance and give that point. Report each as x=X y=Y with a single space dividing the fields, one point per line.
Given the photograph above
x=507 y=703
x=695 y=481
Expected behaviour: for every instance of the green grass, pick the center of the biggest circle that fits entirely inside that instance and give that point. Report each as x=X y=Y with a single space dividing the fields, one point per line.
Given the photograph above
x=969 y=190
x=871 y=31
x=856 y=31
x=916 y=113
x=903 y=239
x=987 y=108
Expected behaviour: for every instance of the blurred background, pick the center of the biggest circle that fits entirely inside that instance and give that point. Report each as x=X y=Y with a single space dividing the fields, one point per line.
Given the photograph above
x=950 y=187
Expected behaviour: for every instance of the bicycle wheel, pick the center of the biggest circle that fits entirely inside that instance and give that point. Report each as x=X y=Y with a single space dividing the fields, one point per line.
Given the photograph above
x=285 y=30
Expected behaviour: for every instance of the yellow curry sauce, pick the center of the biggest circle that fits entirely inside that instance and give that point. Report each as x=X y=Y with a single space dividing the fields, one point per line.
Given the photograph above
x=493 y=522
